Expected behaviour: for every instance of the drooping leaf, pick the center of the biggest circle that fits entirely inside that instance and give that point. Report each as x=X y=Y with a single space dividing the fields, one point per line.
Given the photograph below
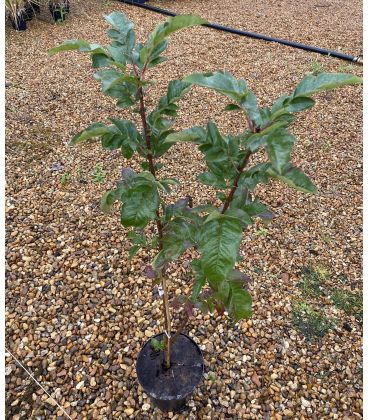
x=212 y=180
x=140 y=204
x=295 y=178
x=219 y=243
x=76 y=44
x=94 y=130
x=195 y=135
x=279 y=147
x=254 y=176
x=240 y=302
x=324 y=81
x=200 y=279
x=300 y=103
x=222 y=82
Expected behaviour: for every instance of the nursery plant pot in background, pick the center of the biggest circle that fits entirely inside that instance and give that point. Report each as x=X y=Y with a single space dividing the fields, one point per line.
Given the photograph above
x=19 y=21
x=59 y=10
x=36 y=7
x=168 y=389
x=28 y=11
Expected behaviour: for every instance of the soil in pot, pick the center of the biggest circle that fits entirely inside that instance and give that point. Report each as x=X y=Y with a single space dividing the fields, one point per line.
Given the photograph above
x=19 y=23
x=168 y=389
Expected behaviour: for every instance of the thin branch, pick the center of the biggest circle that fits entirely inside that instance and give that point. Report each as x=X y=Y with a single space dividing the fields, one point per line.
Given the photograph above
x=236 y=181
x=165 y=302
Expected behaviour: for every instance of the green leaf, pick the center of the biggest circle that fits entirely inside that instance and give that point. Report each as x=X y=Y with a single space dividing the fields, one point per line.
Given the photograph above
x=74 y=44
x=200 y=279
x=165 y=29
x=140 y=204
x=232 y=107
x=123 y=38
x=295 y=178
x=118 y=85
x=300 y=103
x=254 y=176
x=107 y=201
x=94 y=130
x=324 y=81
x=222 y=82
x=100 y=60
x=208 y=178
x=119 y=22
x=157 y=344
x=179 y=235
x=130 y=137
x=240 y=302
x=195 y=135
x=279 y=146
x=132 y=251
x=219 y=243
x=137 y=237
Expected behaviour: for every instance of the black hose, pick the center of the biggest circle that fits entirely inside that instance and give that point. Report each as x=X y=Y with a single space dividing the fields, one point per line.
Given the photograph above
x=341 y=56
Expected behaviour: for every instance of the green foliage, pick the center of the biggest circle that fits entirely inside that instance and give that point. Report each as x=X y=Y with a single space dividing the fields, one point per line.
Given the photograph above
x=65 y=178
x=98 y=175
x=312 y=281
x=310 y=322
x=316 y=67
x=157 y=345
x=215 y=231
x=261 y=232
x=351 y=303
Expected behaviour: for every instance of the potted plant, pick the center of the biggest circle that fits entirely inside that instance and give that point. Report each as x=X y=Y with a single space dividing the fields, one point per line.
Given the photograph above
x=59 y=9
x=15 y=9
x=170 y=364
x=32 y=8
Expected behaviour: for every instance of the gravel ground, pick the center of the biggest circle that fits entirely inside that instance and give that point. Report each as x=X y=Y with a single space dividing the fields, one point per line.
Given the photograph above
x=70 y=314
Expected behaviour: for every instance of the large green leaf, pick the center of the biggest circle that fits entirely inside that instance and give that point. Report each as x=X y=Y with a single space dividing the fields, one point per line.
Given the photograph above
x=208 y=178
x=76 y=44
x=100 y=58
x=255 y=175
x=179 y=235
x=163 y=30
x=324 y=81
x=222 y=82
x=200 y=279
x=130 y=137
x=140 y=204
x=219 y=243
x=118 y=85
x=195 y=135
x=240 y=302
x=279 y=147
x=94 y=130
x=122 y=36
x=295 y=178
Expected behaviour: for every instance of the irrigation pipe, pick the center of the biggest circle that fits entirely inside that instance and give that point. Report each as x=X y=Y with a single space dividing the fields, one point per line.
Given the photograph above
x=310 y=48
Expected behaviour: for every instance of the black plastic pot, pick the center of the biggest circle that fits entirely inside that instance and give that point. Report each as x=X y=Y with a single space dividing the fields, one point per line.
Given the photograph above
x=36 y=7
x=168 y=389
x=19 y=23
x=59 y=11
x=28 y=11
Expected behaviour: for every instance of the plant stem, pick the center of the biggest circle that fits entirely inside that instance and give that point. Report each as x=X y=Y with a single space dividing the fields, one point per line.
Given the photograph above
x=235 y=186
x=165 y=299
